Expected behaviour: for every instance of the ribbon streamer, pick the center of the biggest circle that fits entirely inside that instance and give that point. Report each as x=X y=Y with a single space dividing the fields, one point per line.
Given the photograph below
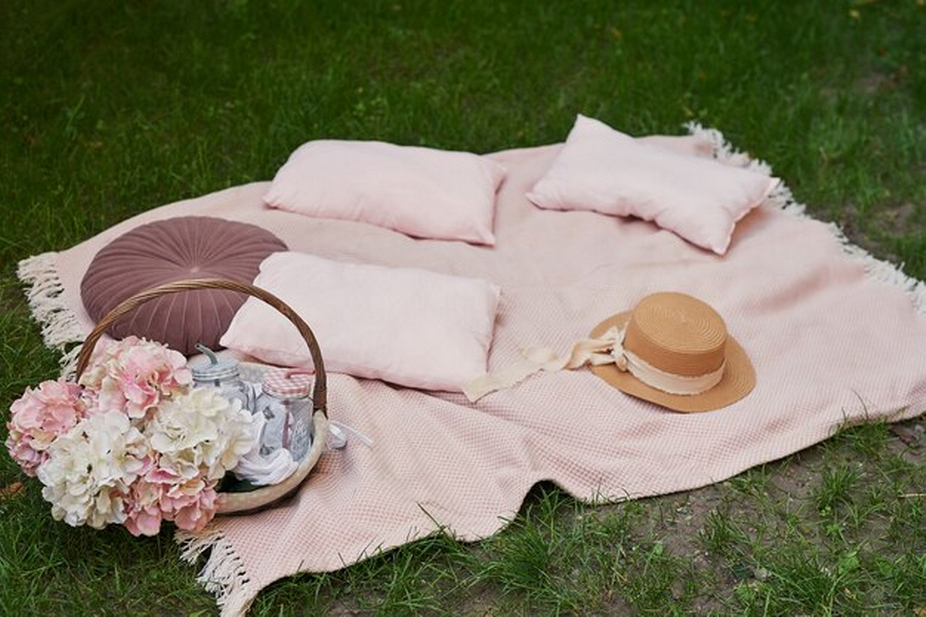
x=609 y=349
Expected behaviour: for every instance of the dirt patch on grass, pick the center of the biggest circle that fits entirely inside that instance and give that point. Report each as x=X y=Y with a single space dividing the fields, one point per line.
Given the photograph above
x=732 y=534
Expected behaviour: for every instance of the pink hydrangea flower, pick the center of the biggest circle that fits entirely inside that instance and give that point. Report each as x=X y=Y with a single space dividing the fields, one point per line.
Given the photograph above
x=133 y=376
x=193 y=512
x=143 y=507
x=38 y=417
x=163 y=495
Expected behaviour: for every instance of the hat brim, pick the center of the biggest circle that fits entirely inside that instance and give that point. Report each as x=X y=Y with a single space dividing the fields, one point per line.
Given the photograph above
x=739 y=378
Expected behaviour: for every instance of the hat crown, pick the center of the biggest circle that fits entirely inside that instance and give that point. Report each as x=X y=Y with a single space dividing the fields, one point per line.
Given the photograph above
x=677 y=334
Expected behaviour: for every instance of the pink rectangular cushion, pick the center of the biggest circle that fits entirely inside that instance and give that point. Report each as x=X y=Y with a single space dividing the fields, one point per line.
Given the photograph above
x=421 y=192
x=606 y=171
x=407 y=326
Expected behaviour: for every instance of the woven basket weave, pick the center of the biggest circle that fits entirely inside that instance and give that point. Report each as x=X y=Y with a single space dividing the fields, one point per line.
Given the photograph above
x=230 y=503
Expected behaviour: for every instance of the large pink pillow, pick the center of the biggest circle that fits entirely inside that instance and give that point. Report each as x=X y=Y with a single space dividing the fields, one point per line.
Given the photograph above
x=421 y=192
x=406 y=326
x=606 y=171
x=172 y=250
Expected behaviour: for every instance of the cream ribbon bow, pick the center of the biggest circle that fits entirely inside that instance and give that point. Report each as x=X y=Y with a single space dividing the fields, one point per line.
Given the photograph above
x=608 y=349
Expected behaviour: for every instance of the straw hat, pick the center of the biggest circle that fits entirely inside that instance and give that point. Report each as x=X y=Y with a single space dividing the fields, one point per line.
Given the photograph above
x=674 y=350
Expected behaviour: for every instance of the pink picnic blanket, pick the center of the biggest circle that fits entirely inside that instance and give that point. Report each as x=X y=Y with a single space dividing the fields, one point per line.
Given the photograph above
x=835 y=336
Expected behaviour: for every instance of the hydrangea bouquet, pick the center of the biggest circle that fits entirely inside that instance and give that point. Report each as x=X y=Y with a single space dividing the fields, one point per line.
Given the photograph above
x=131 y=443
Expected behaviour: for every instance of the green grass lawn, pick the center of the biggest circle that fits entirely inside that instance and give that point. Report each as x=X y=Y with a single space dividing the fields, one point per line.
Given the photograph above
x=109 y=109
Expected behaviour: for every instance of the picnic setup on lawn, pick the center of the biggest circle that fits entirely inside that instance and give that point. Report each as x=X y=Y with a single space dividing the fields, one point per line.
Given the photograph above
x=386 y=341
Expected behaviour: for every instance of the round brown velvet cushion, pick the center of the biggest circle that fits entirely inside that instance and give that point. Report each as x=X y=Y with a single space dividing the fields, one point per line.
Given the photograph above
x=172 y=250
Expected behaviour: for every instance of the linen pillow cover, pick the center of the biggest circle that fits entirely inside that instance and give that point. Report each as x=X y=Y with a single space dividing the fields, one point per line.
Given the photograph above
x=421 y=192
x=407 y=326
x=606 y=171
x=175 y=249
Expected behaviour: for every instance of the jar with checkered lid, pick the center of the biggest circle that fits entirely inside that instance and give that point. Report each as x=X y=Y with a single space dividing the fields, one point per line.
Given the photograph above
x=287 y=406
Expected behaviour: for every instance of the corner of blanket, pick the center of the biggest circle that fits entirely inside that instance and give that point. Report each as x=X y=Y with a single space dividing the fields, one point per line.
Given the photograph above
x=223 y=574
x=45 y=295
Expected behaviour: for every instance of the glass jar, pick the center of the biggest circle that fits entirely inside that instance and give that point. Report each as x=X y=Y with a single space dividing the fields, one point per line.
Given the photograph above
x=286 y=404
x=223 y=376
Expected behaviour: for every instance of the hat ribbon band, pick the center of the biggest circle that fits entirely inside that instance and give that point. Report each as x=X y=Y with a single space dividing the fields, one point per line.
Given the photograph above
x=608 y=349
x=669 y=383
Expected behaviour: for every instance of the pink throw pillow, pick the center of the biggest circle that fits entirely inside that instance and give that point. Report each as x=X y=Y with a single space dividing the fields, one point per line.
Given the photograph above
x=606 y=171
x=421 y=192
x=407 y=326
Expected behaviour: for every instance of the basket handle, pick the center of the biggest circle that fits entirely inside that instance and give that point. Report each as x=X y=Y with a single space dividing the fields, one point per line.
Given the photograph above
x=320 y=393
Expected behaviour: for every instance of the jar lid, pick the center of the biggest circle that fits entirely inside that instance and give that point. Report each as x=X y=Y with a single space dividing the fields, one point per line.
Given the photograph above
x=286 y=384
x=213 y=368
x=223 y=369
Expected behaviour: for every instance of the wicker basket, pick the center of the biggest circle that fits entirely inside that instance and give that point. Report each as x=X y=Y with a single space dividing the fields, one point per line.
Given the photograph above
x=230 y=503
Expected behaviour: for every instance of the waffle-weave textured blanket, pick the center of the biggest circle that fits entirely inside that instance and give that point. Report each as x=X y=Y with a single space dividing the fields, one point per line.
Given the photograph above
x=835 y=336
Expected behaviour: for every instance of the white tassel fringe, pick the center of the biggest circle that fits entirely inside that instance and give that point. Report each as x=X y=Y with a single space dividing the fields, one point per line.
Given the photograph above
x=877 y=269
x=60 y=326
x=223 y=575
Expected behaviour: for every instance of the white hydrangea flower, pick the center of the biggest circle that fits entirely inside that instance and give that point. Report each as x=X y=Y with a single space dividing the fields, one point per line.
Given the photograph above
x=200 y=432
x=90 y=468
